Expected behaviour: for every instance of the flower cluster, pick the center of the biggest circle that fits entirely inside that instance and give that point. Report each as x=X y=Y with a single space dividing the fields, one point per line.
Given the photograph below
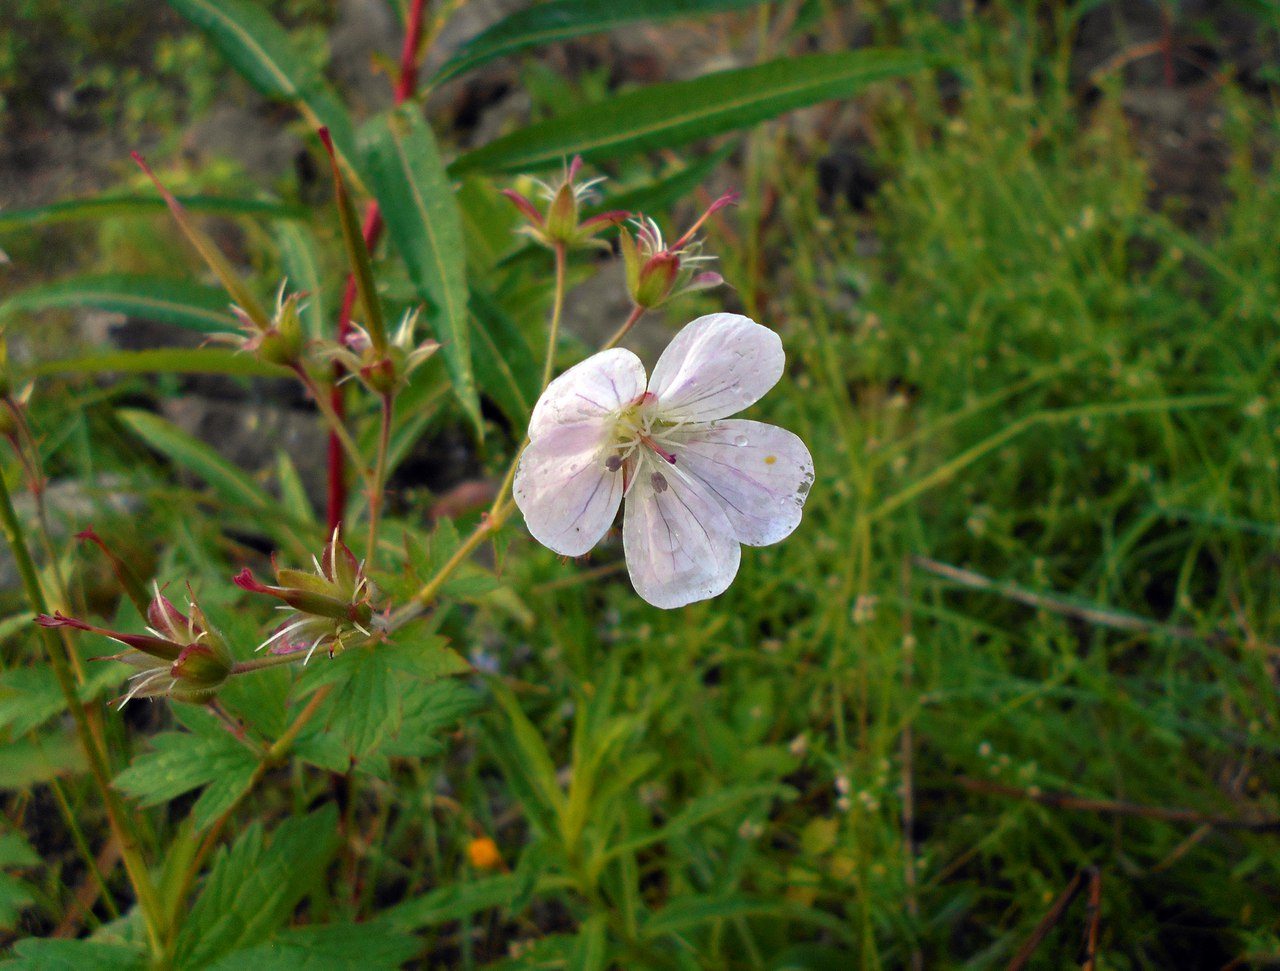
x=330 y=606
x=181 y=656
x=698 y=484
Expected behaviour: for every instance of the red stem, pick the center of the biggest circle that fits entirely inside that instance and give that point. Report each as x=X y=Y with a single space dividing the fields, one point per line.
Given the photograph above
x=406 y=87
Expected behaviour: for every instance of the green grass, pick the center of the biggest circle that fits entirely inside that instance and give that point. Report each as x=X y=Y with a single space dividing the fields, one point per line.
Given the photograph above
x=1011 y=365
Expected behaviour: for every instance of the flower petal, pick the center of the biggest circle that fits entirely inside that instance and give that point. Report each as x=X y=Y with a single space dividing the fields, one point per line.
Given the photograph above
x=716 y=366
x=567 y=495
x=759 y=473
x=680 y=545
x=589 y=391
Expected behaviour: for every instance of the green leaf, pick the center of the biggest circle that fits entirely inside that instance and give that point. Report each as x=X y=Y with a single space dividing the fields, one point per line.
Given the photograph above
x=253 y=888
x=666 y=115
x=418 y=206
x=15 y=894
x=429 y=709
x=49 y=955
x=176 y=361
x=590 y=949
x=549 y=22
x=658 y=195
x=701 y=810
x=331 y=947
x=301 y=259
x=681 y=915
x=99 y=207
x=453 y=902
x=30 y=696
x=171 y=301
x=182 y=761
x=260 y=50
x=29 y=761
x=504 y=364
x=227 y=480
x=521 y=748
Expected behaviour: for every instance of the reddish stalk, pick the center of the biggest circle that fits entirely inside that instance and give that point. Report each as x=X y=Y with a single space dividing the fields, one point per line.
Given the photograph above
x=406 y=87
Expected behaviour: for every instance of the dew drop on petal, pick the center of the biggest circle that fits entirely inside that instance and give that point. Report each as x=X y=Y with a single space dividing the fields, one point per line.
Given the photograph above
x=740 y=440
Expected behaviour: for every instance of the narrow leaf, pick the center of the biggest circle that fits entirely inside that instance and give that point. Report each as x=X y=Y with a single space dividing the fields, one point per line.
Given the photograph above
x=264 y=55
x=171 y=301
x=549 y=22
x=453 y=903
x=231 y=484
x=357 y=251
x=208 y=360
x=503 y=360
x=418 y=205
x=666 y=115
x=99 y=207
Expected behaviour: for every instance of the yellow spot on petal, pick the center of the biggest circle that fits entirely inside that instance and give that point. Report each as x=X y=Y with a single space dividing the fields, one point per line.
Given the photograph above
x=770 y=459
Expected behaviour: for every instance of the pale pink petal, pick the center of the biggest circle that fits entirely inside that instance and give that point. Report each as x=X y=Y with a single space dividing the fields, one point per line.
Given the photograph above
x=589 y=391
x=680 y=545
x=759 y=473
x=567 y=495
x=716 y=366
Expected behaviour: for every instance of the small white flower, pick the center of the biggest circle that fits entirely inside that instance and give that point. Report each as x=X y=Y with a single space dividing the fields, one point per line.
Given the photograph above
x=697 y=485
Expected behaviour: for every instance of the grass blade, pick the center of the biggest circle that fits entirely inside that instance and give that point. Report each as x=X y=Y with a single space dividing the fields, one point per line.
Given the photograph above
x=99 y=207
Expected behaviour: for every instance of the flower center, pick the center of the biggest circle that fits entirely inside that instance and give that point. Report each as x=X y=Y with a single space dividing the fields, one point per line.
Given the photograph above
x=638 y=426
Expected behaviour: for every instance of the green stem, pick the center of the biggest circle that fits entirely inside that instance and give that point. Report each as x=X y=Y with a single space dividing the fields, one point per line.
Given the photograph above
x=556 y=308
x=336 y=425
x=379 y=483
x=117 y=815
x=502 y=504
x=636 y=313
x=270 y=758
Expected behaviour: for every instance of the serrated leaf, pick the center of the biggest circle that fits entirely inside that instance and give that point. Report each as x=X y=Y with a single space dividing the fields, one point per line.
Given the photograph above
x=226 y=479
x=331 y=947
x=260 y=50
x=549 y=22
x=50 y=955
x=30 y=696
x=253 y=887
x=182 y=303
x=163 y=361
x=417 y=203
x=666 y=115
x=453 y=902
x=99 y=207
x=182 y=761
x=429 y=709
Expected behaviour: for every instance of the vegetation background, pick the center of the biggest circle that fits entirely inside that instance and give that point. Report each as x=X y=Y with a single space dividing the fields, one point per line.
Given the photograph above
x=1007 y=698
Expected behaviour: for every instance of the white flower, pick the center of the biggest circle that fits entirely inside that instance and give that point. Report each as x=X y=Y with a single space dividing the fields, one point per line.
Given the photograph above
x=697 y=485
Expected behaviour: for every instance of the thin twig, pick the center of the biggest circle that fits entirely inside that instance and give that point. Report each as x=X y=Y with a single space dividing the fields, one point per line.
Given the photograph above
x=1089 y=613
x=907 y=750
x=1095 y=919
x=1060 y=800
x=1047 y=924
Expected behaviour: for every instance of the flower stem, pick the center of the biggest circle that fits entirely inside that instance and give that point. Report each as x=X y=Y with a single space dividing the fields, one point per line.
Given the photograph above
x=336 y=425
x=636 y=313
x=557 y=307
x=379 y=483
x=117 y=816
